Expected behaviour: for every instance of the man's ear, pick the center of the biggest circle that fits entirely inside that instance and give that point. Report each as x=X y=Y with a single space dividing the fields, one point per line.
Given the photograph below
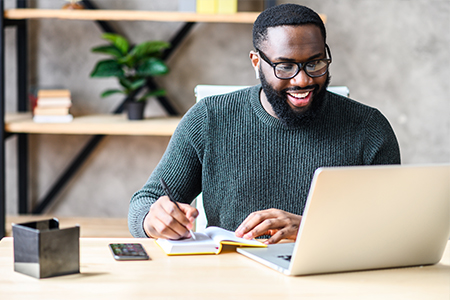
x=254 y=58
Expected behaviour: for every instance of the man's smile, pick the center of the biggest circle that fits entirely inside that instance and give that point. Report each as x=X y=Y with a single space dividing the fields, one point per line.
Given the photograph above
x=299 y=99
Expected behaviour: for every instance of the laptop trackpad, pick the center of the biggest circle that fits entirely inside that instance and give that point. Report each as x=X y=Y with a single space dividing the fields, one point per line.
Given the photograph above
x=277 y=254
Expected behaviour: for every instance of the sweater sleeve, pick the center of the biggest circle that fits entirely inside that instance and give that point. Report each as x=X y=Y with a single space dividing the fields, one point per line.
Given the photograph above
x=380 y=144
x=180 y=167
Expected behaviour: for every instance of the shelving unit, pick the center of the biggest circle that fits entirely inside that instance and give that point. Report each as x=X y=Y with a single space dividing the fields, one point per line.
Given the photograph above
x=21 y=123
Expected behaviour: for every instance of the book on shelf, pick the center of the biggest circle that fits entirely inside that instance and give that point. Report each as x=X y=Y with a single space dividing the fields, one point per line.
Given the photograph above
x=55 y=93
x=53 y=119
x=206 y=6
x=53 y=102
x=217 y=6
x=50 y=111
x=53 y=98
x=227 y=6
x=52 y=106
x=209 y=241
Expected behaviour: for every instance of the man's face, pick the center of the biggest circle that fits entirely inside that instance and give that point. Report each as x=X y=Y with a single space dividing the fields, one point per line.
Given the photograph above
x=293 y=100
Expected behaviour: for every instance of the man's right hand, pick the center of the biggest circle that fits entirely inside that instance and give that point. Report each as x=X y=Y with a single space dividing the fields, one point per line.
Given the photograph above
x=165 y=220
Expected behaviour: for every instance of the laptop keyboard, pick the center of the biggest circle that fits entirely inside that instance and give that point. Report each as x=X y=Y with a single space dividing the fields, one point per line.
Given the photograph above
x=285 y=257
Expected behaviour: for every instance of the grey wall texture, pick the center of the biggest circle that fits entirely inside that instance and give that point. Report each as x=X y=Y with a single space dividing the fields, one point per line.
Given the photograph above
x=392 y=54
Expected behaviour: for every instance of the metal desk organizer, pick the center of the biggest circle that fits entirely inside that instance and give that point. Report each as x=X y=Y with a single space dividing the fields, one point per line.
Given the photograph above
x=43 y=250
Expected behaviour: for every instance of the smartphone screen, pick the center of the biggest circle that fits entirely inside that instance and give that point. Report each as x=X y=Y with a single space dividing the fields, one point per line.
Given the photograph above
x=128 y=251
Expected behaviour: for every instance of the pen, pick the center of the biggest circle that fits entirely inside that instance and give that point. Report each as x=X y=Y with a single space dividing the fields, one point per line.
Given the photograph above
x=167 y=191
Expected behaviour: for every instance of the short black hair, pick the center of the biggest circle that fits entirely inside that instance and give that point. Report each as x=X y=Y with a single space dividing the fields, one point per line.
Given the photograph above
x=285 y=14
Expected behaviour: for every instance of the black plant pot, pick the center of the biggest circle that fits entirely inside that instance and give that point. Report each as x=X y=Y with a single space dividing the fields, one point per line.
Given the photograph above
x=135 y=110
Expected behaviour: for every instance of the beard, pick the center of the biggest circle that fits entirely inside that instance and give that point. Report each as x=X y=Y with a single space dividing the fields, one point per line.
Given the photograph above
x=289 y=117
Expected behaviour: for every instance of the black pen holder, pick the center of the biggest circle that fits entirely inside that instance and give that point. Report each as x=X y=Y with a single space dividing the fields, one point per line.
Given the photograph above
x=43 y=250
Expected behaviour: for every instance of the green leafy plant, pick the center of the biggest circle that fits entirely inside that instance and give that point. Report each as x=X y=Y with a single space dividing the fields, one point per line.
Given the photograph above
x=132 y=65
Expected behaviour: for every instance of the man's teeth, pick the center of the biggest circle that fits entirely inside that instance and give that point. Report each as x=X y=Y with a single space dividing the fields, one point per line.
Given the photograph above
x=299 y=95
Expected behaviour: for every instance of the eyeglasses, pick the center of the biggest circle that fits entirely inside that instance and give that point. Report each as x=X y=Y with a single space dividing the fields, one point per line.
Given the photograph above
x=288 y=70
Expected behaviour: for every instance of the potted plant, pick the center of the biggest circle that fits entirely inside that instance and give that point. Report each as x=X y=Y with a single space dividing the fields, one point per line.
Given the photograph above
x=73 y=4
x=132 y=65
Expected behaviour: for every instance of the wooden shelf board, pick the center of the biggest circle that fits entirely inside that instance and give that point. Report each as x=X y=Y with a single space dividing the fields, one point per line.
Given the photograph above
x=132 y=15
x=129 y=15
x=93 y=124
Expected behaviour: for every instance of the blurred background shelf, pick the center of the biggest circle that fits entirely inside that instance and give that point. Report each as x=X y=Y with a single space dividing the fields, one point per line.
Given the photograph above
x=129 y=15
x=107 y=124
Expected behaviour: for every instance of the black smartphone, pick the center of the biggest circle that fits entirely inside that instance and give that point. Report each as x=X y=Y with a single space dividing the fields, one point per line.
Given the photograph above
x=128 y=251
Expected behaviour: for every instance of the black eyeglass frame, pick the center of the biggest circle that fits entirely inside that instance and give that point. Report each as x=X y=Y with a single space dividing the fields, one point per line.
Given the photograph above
x=301 y=66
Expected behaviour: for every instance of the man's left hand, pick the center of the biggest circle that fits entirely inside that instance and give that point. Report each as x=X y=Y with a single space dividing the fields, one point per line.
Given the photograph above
x=275 y=222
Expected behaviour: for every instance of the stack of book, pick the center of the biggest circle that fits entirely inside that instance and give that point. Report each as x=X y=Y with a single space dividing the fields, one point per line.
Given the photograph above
x=52 y=106
x=209 y=6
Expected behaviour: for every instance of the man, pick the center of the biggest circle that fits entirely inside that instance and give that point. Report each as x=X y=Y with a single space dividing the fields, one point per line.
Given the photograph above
x=253 y=152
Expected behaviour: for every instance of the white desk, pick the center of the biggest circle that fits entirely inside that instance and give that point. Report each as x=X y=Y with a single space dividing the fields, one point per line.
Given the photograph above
x=225 y=276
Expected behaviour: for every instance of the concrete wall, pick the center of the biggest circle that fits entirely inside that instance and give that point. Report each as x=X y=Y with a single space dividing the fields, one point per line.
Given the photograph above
x=392 y=54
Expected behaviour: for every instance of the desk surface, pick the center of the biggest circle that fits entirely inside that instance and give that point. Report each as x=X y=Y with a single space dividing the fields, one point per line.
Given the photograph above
x=225 y=276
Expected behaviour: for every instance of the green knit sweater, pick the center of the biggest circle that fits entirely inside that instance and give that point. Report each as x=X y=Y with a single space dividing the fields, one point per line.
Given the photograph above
x=244 y=160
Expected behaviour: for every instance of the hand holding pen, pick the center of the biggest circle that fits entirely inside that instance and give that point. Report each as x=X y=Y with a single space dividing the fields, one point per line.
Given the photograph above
x=168 y=193
x=168 y=220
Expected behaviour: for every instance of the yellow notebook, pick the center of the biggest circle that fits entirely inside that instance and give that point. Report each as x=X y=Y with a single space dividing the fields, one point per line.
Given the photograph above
x=210 y=241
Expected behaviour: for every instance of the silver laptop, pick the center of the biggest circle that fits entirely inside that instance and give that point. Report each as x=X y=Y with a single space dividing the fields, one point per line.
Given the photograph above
x=368 y=217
